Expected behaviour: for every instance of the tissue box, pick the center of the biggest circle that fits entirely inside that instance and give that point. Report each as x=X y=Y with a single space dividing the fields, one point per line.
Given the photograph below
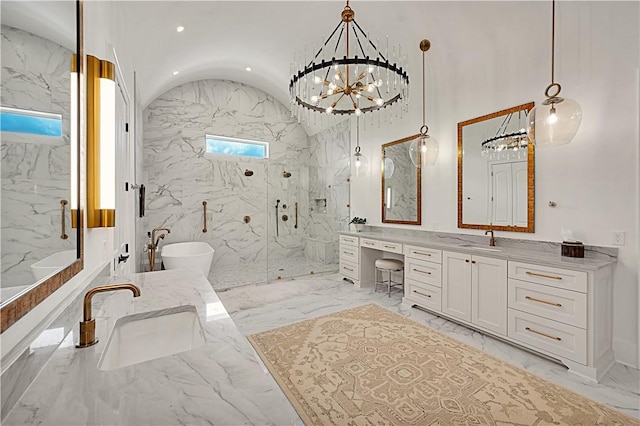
x=572 y=249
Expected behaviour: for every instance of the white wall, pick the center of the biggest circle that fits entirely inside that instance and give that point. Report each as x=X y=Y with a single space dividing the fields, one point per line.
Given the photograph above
x=502 y=62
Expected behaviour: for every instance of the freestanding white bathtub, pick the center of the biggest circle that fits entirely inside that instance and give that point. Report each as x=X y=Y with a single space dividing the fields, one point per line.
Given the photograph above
x=190 y=255
x=53 y=263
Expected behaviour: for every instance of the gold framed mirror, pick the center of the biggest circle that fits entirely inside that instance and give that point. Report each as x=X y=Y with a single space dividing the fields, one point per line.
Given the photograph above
x=41 y=212
x=401 y=184
x=496 y=172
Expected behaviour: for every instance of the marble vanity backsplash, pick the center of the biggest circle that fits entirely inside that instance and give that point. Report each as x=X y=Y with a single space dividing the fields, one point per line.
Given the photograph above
x=482 y=240
x=17 y=377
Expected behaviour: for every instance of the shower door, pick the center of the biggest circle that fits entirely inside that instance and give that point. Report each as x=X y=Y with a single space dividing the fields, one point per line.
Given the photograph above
x=306 y=207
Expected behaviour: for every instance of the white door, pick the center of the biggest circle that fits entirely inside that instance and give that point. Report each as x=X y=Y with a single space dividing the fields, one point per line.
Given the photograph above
x=456 y=285
x=501 y=195
x=520 y=196
x=125 y=206
x=489 y=293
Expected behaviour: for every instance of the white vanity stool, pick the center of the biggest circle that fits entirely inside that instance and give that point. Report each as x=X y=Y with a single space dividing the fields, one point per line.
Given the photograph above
x=389 y=266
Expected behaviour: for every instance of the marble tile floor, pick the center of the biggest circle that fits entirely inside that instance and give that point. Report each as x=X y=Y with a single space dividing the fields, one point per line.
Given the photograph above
x=256 y=308
x=224 y=277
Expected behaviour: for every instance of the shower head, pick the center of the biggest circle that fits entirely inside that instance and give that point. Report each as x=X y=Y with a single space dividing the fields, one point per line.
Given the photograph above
x=286 y=174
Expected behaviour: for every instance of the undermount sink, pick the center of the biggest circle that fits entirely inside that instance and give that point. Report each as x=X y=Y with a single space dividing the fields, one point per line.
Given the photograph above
x=150 y=335
x=480 y=248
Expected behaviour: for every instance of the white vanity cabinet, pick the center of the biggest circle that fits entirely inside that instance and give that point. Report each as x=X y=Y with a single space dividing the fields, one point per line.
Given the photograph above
x=557 y=307
x=350 y=257
x=548 y=310
x=423 y=277
x=474 y=289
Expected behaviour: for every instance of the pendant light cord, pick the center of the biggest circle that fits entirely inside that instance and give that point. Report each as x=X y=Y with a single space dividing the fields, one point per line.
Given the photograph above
x=424 y=113
x=424 y=46
x=553 y=39
x=357 y=134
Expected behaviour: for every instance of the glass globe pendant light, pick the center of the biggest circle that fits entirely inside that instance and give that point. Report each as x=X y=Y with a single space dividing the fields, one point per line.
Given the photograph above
x=359 y=163
x=424 y=149
x=555 y=121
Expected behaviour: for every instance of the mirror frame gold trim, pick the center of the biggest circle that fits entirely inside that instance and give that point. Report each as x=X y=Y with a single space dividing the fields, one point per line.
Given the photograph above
x=20 y=306
x=418 y=221
x=530 y=175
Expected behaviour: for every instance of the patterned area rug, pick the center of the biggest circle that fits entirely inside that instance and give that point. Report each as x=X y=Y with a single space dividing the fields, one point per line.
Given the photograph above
x=370 y=366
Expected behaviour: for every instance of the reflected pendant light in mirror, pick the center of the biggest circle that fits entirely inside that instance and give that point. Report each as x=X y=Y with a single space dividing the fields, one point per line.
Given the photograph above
x=424 y=149
x=554 y=121
x=359 y=161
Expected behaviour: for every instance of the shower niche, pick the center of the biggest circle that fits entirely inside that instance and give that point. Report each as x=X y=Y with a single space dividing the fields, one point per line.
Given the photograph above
x=319 y=205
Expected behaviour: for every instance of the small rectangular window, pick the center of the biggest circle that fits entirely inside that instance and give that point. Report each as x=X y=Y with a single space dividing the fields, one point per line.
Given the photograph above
x=233 y=146
x=30 y=122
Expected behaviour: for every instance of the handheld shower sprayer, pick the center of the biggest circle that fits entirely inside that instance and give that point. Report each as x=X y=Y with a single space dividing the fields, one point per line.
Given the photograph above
x=277 y=204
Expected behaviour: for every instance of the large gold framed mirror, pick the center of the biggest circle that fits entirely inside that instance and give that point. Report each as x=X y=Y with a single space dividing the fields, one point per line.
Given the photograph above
x=496 y=172
x=401 y=184
x=42 y=69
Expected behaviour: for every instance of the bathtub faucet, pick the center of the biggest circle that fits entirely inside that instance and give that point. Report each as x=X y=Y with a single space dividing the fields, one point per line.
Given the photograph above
x=153 y=245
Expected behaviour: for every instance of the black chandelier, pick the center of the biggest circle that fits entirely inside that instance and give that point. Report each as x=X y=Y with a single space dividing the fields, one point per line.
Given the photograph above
x=336 y=83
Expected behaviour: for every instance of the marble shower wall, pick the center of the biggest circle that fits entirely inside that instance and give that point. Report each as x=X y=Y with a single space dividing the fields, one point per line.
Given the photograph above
x=179 y=175
x=34 y=169
x=329 y=172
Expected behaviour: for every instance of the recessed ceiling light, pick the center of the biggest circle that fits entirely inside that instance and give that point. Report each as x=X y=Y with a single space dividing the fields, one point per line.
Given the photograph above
x=180 y=29
x=248 y=68
x=176 y=72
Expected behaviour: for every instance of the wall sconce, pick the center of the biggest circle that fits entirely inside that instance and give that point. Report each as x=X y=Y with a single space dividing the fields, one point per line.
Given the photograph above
x=101 y=109
x=73 y=141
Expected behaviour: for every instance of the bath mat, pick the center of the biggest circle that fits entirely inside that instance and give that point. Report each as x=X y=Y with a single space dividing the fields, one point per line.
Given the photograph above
x=371 y=366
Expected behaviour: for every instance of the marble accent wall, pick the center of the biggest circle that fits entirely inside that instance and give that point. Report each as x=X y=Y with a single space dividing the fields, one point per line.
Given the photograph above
x=179 y=175
x=34 y=169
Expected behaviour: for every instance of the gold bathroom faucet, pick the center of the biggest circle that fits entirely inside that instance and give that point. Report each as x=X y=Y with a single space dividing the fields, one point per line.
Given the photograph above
x=492 y=240
x=88 y=325
x=153 y=245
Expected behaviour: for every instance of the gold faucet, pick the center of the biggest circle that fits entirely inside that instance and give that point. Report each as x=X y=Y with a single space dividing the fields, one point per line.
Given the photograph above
x=153 y=246
x=492 y=240
x=88 y=325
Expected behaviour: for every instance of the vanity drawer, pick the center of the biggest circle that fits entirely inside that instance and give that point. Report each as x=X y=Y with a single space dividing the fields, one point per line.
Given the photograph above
x=423 y=272
x=349 y=253
x=372 y=244
x=349 y=269
x=425 y=295
x=391 y=247
x=569 y=307
x=349 y=240
x=555 y=277
x=551 y=336
x=422 y=253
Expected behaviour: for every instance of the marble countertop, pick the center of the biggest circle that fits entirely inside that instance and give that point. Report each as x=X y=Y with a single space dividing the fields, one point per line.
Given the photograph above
x=222 y=382
x=548 y=255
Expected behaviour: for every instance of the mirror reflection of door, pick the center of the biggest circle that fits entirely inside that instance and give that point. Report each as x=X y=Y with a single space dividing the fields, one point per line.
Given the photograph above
x=509 y=194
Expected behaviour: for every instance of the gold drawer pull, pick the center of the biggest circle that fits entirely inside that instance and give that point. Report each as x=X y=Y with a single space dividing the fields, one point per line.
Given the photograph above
x=422 y=272
x=348 y=269
x=422 y=294
x=543 y=301
x=543 y=334
x=348 y=252
x=421 y=253
x=390 y=247
x=553 y=277
x=348 y=240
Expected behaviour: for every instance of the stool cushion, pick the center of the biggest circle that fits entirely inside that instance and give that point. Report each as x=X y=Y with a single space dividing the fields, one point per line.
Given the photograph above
x=392 y=264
